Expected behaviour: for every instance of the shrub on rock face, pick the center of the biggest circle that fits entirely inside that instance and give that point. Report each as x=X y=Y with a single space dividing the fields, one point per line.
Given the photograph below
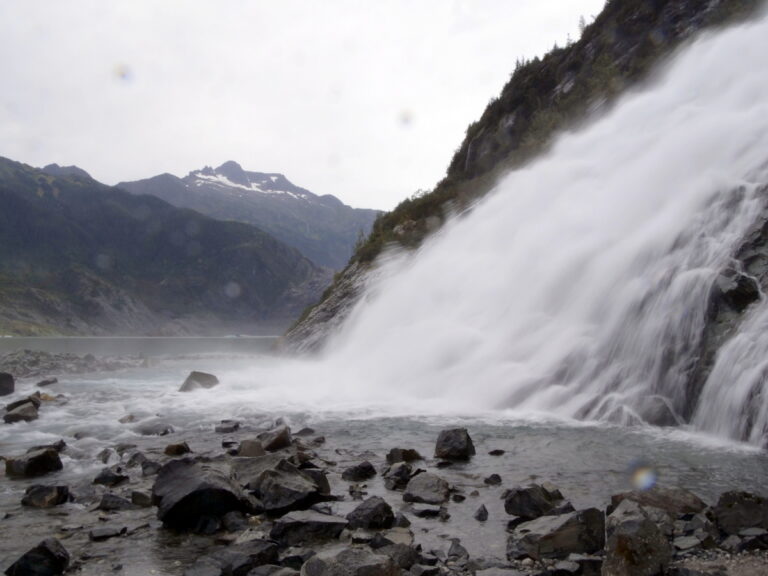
x=454 y=444
x=32 y=464
x=46 y=559
x=189 y=497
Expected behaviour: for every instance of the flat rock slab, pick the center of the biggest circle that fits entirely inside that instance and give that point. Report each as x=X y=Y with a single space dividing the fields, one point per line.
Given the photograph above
x=306 y=526
x=33 y=464
x=106 y=532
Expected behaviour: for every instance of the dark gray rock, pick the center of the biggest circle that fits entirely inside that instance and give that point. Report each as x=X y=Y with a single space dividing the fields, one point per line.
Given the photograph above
x=27 y=412
x=454 y=444
x=636 y=545
x=150 y=468
x=39 y=496
x=374 y=513
x=284 y=487
x=33 y=464
x=236 y=560
x=47 y=382
x=296 y=528
x=481 y=515
x=359 y=472
x=736 y=511
x=402 y=555
x=7 y=384
x=48 y=558
x=276 y=439
x=227 y=427
x=141 y=499
x=581 y=532
x=422 y=570
x=492 y=480
x=197 y=380
x=111 y=477
x=674 y=501
x=34 y=399
x=530 y=502
x=188 y=496
x=398 y=475
x=426 y=488
x=112 y=503
x=350 y=562
x=251 y=448
x=177 y=449
x=106 y=532
x=396 y=455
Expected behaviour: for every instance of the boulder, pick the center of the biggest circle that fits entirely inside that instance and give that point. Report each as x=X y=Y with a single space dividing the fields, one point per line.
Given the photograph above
x=359 y=472
x=581 y=532
x=398 y=476
x=374 y=513
x=674 y=501
x=396 y=455
x=454 y=444
x=250 y=449
x=33 y=464
x=350 y=562
x=189 y=496
x=296 y=528
x=531 y=501
x=736 y=511
x=24 y=413
x=481 y=515
x=276 y=439
x=426 y=488
x=636 y=545
x=46 y=559
x=197 y=380
x=177 y=449
x=7 y=384
x=35 y=399
x=111 y=477
x=39 y=496
x=402 y=555
x=284 y=487
x=112 y=503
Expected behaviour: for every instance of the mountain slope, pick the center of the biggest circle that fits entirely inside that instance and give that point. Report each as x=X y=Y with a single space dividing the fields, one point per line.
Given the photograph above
x=80 y=257
x=320 y=227
x=543 y=97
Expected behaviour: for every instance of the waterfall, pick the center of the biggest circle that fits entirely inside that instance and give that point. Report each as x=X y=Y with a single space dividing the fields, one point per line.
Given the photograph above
x=579 y=287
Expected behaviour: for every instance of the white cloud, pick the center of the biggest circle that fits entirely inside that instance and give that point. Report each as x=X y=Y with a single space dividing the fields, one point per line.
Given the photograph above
x=364 y=100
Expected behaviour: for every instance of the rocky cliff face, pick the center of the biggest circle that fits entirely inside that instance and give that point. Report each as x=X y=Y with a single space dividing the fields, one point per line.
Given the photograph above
x=78 y=257
x=543 y=97
x=321 y=227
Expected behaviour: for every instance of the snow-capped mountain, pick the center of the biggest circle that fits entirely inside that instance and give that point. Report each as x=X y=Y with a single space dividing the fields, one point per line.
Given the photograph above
x=321 y=227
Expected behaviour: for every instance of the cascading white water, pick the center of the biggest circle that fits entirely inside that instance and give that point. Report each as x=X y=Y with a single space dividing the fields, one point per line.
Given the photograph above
x=579 y=287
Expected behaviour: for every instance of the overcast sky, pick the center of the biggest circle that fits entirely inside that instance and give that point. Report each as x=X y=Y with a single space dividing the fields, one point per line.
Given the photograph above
x=366 y=100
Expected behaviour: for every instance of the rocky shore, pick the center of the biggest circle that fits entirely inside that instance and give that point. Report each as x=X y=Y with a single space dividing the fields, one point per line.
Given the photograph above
x=254 y=499
x=37 y=363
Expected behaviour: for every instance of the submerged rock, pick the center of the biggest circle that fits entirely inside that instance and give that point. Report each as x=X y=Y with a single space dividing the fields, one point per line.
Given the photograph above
x=7 y=384
x=46 y=559
x=32 y=464
x=188 y=497
x=111 y=477
x=154 y=428
x=454 y=444
x=197 y=380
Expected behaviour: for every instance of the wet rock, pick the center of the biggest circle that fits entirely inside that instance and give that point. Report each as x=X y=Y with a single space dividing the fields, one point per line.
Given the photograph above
x=227 y=427
x=141 y=499
x=731 y=544
x=398 y=476
x=530 y=502
x=427 y=511
x=422 y=570
x=276 y=438
x=150 y=468
x=581 y=532
x=128 y=419
x=39 y=496
x=481 y=514
x=401 y=554
x=492 y=480
x=33 y=464
x=454 y=444
x=396 y=455
x=27 y=412
x=34 y=399
x=496 y=452
x=296 y=528
x=374 y=513
x=684 y=543
x=674 y=501
x=306 y=432
x=234 y=521
x=59 y=446
x=111 y=477
x=177 y=449
x=7 y=384
x=154 y=428
x=106 y=532
x=499 y=572
x=590 y=565
x=189 y=496
x=112 y=503
x=350 y=562
x=284 y=487
x=636 y=545
x=392 y=536
x=251 y=449
x=235 y=560
x=401 y=521
x=106 y=455
x=47 y=382
x=426 y=488
x=736 y=511
x=46 y=559
x=359 y=472
x=197 y=380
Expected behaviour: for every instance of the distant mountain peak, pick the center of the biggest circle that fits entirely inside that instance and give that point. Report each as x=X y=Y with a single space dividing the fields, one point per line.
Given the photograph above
x=234 y=172
x=63 y=171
